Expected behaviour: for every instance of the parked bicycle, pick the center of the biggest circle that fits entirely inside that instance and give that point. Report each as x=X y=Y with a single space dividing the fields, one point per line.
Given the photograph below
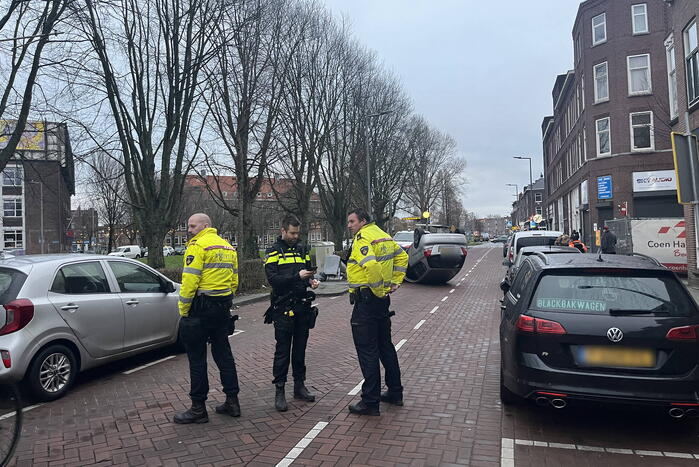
x=10 y=421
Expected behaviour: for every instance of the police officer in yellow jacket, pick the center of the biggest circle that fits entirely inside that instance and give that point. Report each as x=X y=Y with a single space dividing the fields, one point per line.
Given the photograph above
x=376 y=268
x=209 y=280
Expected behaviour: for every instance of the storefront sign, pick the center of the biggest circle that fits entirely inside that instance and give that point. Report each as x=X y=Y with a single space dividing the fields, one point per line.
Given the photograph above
x=658 y=180
x=604 y=187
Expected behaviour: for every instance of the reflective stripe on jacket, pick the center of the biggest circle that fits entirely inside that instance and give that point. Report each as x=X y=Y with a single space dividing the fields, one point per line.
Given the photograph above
x=282 y=265
x=376 y=261
x=210 y=268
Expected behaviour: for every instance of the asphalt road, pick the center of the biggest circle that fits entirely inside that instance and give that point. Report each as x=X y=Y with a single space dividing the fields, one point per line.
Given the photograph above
x=448 y=344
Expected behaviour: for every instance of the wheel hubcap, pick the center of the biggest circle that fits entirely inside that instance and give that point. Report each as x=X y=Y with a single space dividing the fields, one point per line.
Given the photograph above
x=54 y=372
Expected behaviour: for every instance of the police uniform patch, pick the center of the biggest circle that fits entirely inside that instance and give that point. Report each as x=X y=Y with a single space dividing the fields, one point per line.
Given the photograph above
x=189 y=260
x=364 y=250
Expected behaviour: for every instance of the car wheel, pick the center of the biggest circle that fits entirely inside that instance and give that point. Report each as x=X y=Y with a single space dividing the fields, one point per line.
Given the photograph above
x=507 y=397
x=138 y=256
x=52 y=372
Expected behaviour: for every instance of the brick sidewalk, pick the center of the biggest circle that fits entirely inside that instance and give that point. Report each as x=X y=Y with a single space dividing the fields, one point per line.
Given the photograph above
x=450 y=374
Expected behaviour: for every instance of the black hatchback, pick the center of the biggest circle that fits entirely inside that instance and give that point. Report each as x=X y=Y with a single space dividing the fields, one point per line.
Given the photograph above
x=613 y=328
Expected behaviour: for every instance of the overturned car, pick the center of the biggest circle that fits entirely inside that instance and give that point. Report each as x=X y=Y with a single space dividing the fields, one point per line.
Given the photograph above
x=436 y=255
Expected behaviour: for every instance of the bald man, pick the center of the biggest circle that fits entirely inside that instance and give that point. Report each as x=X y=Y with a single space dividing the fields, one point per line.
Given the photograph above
x=209 y=280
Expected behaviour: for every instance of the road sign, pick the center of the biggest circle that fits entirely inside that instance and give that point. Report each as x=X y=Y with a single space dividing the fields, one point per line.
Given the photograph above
x=684 y=152
x=509 y=224
x=604 y=187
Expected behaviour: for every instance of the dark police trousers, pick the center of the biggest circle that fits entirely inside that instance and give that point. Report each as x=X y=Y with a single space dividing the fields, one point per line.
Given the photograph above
x=371 y=331
x=208 y=322
x=291 y=335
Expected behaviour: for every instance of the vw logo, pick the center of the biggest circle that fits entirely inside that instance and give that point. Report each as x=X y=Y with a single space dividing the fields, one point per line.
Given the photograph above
x=615 y=334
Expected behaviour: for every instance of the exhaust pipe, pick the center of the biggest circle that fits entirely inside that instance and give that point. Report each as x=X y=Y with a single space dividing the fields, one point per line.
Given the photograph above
x=542 y=401
x=692 y=413
x=559 y=403
x=676 y=412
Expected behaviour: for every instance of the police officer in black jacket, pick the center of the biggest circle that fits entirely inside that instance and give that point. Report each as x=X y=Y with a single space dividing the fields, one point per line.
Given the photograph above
x=289 y=272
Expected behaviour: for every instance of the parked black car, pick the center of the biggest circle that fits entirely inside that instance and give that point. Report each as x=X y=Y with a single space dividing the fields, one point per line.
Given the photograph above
x=620 y=330
x=180 y=249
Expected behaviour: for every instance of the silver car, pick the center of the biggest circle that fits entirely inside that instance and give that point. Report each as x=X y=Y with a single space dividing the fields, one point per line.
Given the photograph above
x=63 y=314
x=436 y=255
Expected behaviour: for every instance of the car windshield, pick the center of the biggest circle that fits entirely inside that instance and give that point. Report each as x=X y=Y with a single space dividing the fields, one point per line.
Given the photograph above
x=609 y=294
x=122 y=249
x=403 y=237
x=11 y=280
x=534 y=241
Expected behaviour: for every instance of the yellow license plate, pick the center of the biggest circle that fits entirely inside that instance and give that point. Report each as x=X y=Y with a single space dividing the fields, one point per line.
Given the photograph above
x=618 y=356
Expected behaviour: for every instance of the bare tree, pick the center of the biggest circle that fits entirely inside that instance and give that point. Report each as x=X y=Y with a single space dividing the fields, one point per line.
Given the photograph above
x=25 y=30
x=107 y=190
x=148 y=59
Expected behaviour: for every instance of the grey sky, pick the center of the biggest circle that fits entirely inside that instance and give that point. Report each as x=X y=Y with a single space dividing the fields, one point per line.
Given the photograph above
x=481 y=70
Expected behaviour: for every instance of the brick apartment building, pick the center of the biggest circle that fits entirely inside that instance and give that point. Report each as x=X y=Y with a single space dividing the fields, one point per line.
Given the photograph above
x=682 y=49
x=37 y=185
x=608 y=141
x=529 y=203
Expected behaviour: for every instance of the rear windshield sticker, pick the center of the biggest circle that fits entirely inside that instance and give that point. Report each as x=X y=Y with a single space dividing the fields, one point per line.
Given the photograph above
x=570 y=304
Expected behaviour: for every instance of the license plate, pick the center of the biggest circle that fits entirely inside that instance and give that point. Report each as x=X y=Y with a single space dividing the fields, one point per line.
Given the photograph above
x=617 y=357
x=448 y=250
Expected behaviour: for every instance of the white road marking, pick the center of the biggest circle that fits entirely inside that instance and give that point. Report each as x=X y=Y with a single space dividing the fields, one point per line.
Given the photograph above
x=355 y=390
x=452 y=290
x=434 y=309
x=401 y=343
x=507 y=450
x=236 y=332
x=445 y=299
x=420 y=323
x=336 y=296
x=26 y=409
x=138 y=368
x=301 y=445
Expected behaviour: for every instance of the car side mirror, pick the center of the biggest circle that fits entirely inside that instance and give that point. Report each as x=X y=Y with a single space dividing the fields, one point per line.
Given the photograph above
x=168 y=287
x=504 y=286
x=506 y=262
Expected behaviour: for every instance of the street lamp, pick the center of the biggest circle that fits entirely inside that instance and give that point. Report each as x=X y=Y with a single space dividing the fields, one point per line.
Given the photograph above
x=516 y=188
x=366 y=153
x=41 y=207
x=531 y=184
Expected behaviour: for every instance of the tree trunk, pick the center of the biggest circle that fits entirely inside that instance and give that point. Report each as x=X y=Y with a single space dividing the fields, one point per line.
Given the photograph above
x=247 y=241
x=110 y=234
x=153 y=239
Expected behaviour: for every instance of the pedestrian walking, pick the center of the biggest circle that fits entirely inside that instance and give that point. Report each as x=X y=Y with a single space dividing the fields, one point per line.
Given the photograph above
x=289 y=271
x=375 y=269
x=209 y=280
x=575 y=242
x=608 y=241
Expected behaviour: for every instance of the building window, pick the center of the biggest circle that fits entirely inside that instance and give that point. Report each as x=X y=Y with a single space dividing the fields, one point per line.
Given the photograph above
x=12 y=176
x=601 y=83
x=537 y=197
x=12 y=207
x=642 y=131
x=604 y=146
x=538 y=210
x=691 y=54
x=639 y=74
x=13 y=239
x=639 y=16
x=672 y=76
x=599 y=29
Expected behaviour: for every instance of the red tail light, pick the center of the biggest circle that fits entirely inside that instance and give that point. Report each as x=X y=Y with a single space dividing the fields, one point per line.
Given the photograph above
x=464 y=251
x=6 y=360
x=19 y=313
x=685 y=333
x=427 y=252
x=539 y=326
x=510 y=255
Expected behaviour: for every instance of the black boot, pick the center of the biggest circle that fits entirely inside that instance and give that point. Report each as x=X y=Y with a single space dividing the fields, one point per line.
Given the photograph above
x=392 y=398
x=196 y=414
x=301 y=392
x=280 y=399
x=230 y=407
x=361 y=408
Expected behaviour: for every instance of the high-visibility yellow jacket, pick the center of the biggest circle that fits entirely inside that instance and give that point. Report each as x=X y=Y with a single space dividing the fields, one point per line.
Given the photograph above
x=210 y=268
x=376 y=261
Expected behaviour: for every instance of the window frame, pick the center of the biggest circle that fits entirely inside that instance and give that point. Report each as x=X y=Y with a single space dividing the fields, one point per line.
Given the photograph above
x=651 y=130
x=65 y=265
x=628 y=75
x=633 y=19
x=141 y=269
x=597 y=99
x=15 y=230
x=691 y=56
x=15 y=199
x=597 y=133
x=19 y=175
x=604 y=24
x=538 y=198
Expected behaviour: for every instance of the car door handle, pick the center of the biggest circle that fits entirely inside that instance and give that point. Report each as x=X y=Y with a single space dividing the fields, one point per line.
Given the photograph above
x=70 y=307
x=503 y=307
x=133 y=301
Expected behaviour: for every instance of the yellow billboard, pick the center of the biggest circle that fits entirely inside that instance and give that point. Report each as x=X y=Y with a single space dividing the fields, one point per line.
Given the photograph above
x=32 y=138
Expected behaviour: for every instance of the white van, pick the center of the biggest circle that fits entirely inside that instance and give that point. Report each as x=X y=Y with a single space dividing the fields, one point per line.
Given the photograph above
x=530 y=238
x=128 y=251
